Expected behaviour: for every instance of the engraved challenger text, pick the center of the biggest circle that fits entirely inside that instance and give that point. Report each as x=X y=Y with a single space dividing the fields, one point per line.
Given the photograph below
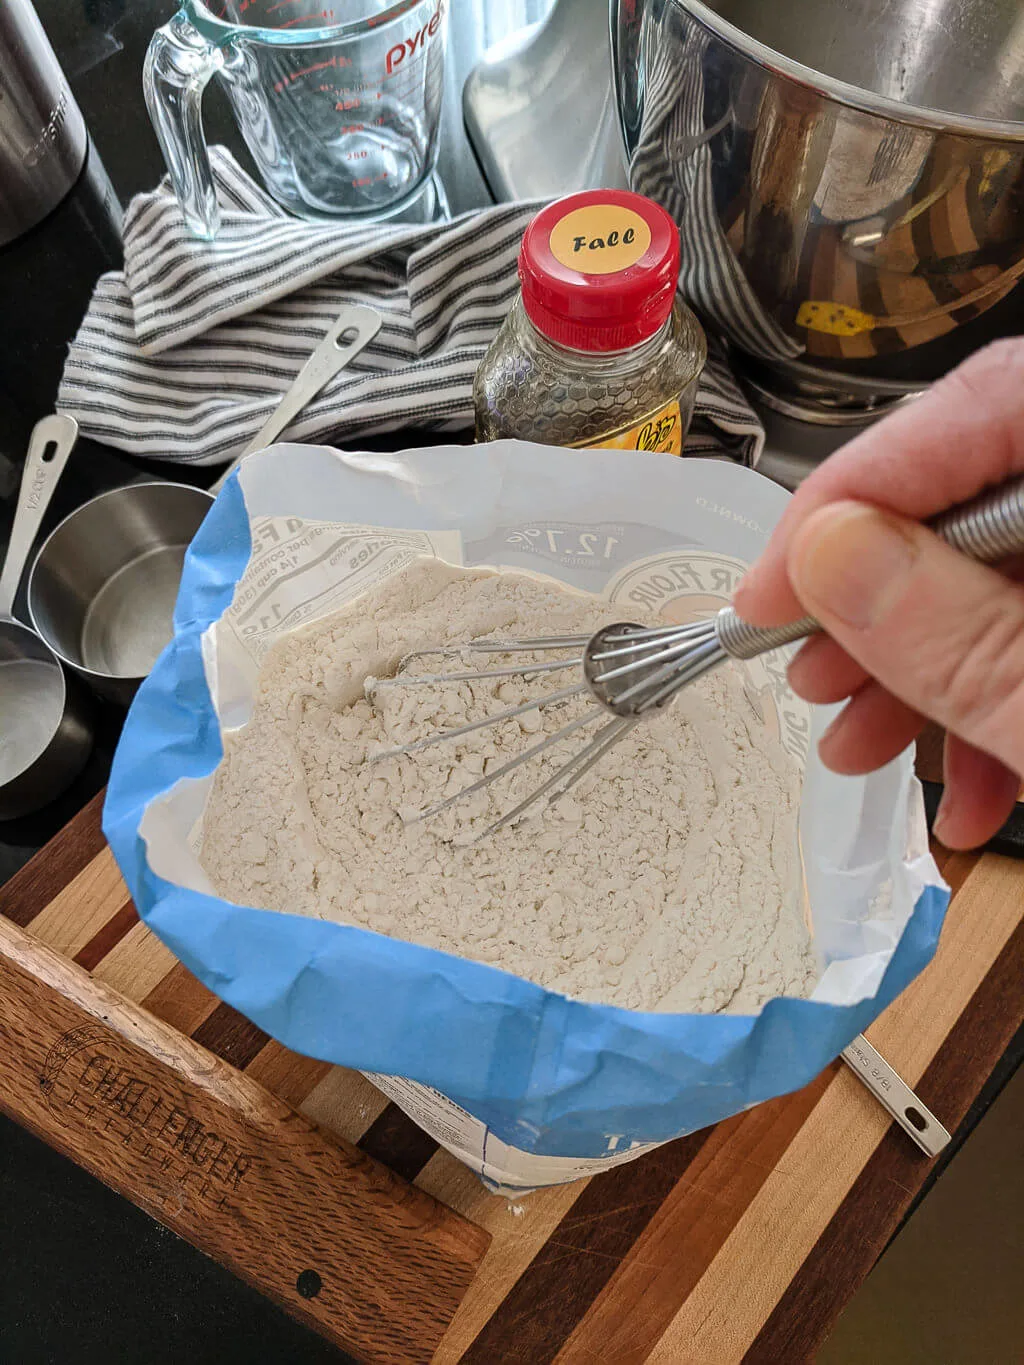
x=82 y=1080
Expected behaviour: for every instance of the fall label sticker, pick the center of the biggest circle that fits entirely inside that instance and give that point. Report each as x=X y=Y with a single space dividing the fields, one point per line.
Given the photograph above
x=599 y=239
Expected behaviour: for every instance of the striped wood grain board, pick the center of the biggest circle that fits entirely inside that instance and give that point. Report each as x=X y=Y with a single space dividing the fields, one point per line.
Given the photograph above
x=739 y=1243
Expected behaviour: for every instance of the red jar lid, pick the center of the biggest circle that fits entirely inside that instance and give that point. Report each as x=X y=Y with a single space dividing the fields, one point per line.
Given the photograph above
x=599 y=269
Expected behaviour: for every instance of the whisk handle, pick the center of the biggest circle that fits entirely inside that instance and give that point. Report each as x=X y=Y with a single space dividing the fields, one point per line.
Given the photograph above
x=744 y=641
x=988 y=529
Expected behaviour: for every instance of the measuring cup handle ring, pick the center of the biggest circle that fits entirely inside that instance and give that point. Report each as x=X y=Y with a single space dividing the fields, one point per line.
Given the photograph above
x=179 y=64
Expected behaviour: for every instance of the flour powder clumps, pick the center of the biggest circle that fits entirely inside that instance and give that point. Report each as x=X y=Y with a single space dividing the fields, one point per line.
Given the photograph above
x=667 y=879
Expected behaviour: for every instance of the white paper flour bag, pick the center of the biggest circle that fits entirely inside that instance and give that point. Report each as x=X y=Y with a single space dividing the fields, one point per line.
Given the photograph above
x=526 y=1086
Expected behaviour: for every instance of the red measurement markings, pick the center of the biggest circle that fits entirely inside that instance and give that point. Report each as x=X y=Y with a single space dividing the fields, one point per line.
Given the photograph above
x=349 y=97
x=355 y=89
x=308 y=20
x=421 y=70
x=317 y=66
x=308 y=71
x=411 y=78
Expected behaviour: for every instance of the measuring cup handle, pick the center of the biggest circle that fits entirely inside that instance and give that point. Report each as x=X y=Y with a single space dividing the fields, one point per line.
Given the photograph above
x=53 y=439
x=179 y=63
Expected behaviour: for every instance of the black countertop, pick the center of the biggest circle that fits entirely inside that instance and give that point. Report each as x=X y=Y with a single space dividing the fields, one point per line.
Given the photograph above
x=87 y=1277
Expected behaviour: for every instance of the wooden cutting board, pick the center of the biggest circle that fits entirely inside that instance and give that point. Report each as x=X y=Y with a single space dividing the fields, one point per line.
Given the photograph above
x=336 y=1237
x=739 y=1243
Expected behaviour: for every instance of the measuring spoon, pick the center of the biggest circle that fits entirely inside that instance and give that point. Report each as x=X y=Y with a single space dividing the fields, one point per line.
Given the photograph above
x=350 y=332
x=45 y=731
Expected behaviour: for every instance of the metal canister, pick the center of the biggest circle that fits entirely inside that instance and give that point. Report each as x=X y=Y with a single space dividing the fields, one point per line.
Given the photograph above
x=43 y=140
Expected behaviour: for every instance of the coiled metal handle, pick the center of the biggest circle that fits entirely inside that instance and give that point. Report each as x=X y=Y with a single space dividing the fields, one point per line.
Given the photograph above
x=744 y=641
x=988 y=528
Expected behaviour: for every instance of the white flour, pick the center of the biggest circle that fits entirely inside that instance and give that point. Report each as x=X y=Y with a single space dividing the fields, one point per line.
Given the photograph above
x=668 y=879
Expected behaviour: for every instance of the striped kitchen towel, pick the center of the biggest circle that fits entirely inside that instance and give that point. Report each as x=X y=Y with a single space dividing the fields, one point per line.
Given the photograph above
x=183 y=355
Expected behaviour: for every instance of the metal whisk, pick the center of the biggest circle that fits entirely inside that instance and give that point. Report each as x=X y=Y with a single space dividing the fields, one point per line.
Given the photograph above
x=632 y=670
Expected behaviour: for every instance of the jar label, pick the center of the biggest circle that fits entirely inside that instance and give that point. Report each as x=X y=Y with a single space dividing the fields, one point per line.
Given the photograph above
x=661 y=430
x=599 y=239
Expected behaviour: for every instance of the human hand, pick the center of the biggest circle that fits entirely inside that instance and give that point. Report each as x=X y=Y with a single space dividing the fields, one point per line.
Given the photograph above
x=915 y=630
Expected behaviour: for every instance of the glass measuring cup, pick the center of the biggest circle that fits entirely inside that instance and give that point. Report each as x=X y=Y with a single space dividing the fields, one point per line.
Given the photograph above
x=339 y=101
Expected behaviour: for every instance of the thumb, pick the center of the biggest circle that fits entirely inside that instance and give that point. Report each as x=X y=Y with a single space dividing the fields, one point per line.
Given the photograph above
x=940 y=632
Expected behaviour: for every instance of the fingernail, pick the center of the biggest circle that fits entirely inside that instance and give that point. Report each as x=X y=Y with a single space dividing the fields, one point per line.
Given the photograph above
x=943 y=814
x=742 y=587
x=741 y=596
x=849 y=561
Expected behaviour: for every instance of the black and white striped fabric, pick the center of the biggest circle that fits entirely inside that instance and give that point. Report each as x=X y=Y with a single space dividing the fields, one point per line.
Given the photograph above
x=184 y=354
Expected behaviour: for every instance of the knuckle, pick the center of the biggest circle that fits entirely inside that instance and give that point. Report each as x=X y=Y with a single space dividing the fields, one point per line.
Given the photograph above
x=990 y=368
x=981 y=670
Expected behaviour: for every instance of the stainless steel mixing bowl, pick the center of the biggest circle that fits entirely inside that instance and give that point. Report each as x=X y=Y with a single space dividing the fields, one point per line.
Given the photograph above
x=848 y=177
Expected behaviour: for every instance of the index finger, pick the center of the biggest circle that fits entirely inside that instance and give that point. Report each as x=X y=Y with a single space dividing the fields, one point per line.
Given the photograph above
x=963 y=435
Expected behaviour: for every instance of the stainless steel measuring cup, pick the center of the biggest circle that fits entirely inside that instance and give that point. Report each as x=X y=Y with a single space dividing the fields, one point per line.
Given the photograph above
x=339 y=102
x=102 y=589
x=45 y=733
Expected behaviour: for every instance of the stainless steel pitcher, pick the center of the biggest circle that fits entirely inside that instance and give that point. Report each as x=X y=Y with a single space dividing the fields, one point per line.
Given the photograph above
x=43 y=141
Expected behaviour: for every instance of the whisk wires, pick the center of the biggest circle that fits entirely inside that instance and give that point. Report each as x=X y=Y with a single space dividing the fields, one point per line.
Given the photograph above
x=648 y=666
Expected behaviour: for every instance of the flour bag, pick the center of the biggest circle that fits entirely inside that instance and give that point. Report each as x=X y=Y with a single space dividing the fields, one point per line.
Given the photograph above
x=529 y=1088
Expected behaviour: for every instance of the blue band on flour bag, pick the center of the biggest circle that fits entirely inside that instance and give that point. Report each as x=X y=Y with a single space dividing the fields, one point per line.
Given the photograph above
x=548 y=1075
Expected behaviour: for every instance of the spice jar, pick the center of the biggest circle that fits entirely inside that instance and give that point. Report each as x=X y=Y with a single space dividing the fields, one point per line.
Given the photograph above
x=597 y=350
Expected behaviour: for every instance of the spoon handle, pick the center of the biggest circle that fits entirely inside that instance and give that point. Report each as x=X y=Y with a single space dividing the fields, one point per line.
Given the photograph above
x=893 y=1093
x=52 y=441
x=351 y=332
